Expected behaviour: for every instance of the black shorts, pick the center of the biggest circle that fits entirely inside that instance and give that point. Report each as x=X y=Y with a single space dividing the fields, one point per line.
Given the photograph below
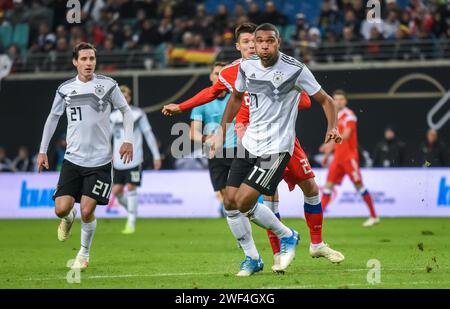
x=75 y=180
x=218 y=171
x=132 y=175
x=261 y=173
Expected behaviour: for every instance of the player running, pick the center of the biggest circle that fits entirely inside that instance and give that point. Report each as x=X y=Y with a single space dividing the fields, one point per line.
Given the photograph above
x=298 y=172
x=85 y=176
x=346 y=158
x=131 y=174
x=273 y=81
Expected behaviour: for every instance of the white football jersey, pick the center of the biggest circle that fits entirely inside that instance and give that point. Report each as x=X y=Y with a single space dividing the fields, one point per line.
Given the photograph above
x=141 y=128
x=274 y=95
x=88 y=107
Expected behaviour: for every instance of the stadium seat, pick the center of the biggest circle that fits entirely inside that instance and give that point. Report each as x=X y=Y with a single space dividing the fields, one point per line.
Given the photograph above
x=6 y=32
x=21 y=35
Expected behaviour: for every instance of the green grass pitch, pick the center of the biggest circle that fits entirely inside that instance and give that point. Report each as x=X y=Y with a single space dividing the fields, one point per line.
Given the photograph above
x=201 y=253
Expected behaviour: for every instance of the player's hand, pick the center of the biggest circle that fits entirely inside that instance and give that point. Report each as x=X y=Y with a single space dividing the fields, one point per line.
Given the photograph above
x=42 y=161
x=333 y=135
x=126 y=152
x=157 y=164
x=171 y=109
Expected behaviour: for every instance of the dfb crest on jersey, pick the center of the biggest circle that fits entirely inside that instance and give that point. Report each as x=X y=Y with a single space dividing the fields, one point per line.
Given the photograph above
x=99 y=90
x=277 y=78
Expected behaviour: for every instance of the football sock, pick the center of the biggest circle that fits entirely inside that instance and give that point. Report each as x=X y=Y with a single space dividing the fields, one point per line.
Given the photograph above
x=87 y=234
x=314 y=218
x=242 y=230
x=132 y=208
x=273 y=239
x=266 y=219
x=368 y=199
x=326 y=197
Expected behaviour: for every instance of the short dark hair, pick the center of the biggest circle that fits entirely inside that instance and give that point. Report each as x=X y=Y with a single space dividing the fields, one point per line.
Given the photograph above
x=218 y=64
x=340 y=92
x=81 y=46
x=244 y=28
x=268 y=27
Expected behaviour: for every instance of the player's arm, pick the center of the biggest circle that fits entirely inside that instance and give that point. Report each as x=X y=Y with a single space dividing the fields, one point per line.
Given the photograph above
x=231 y=110
x=307 y=82
x=119 y=101
x=205 y=96
x=150 y=139
x=49 y=129
x=330 y=110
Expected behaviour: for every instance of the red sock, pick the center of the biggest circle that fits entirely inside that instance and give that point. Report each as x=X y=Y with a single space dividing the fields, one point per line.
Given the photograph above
x=368 y=199
x=274 y=242
x=314 y=222
x=325 y=200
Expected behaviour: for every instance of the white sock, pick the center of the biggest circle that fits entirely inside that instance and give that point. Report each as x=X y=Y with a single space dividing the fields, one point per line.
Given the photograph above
x=132 y=208
x=266 y=219
x=87 y=234
x=70 y=217
x=122 y=200
x=316 y=246
x=272 y=206
x=242 y=230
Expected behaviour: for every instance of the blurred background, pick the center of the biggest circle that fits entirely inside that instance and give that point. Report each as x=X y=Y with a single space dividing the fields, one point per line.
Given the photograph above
x=395 y=71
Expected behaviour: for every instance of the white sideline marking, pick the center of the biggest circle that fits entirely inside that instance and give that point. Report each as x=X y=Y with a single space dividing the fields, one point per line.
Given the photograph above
x=311 y=271
x=123 y=276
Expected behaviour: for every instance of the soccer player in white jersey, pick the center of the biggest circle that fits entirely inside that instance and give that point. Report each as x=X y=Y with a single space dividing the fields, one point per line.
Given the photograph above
x=130 y=174
x=85 y=176
x=274 y=82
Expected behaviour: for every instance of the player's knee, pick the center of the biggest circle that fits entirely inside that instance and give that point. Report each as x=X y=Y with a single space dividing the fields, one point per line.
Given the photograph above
x=61 y=212
x=86 y=215
x=242 y=203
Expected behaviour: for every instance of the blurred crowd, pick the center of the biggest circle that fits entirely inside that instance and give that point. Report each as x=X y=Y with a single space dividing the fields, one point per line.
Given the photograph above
x=390 y=151
x=40 y=26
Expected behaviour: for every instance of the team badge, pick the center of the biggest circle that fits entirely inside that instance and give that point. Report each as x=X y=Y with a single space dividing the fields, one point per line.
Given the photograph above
x=99 y=90
x=277 y=78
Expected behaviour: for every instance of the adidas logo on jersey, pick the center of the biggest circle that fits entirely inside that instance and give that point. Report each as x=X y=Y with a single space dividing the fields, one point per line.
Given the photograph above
x=253 y=75
x=73 y=92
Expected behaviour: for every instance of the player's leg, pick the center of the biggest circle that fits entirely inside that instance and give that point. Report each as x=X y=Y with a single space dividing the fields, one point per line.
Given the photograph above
x=67 y=193
x=238 y=223
x=118 y=191
x=314 y=220
x=336 y=174
x=326 y=194
x=88 y=227
x=264 y=178
x=64 y=209
x=133 y=178
x=120 y=179
x=132 y=202
x=352 y=169
x=272 y=202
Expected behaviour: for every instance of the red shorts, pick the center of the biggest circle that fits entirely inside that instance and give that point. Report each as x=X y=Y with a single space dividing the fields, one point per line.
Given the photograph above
x=340 y=168
x=298 y=168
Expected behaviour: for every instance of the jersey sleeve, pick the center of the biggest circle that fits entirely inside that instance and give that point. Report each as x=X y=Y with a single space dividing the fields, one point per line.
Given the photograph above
x=240 y=84
x=307 y=82
x=58 y=104
x=117 y=98
x=350 y=121
x=226 y=80
x=203 y=97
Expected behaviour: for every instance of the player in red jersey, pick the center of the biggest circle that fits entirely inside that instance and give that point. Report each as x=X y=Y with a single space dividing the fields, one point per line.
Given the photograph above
x=346 y=158
x=298 y=172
